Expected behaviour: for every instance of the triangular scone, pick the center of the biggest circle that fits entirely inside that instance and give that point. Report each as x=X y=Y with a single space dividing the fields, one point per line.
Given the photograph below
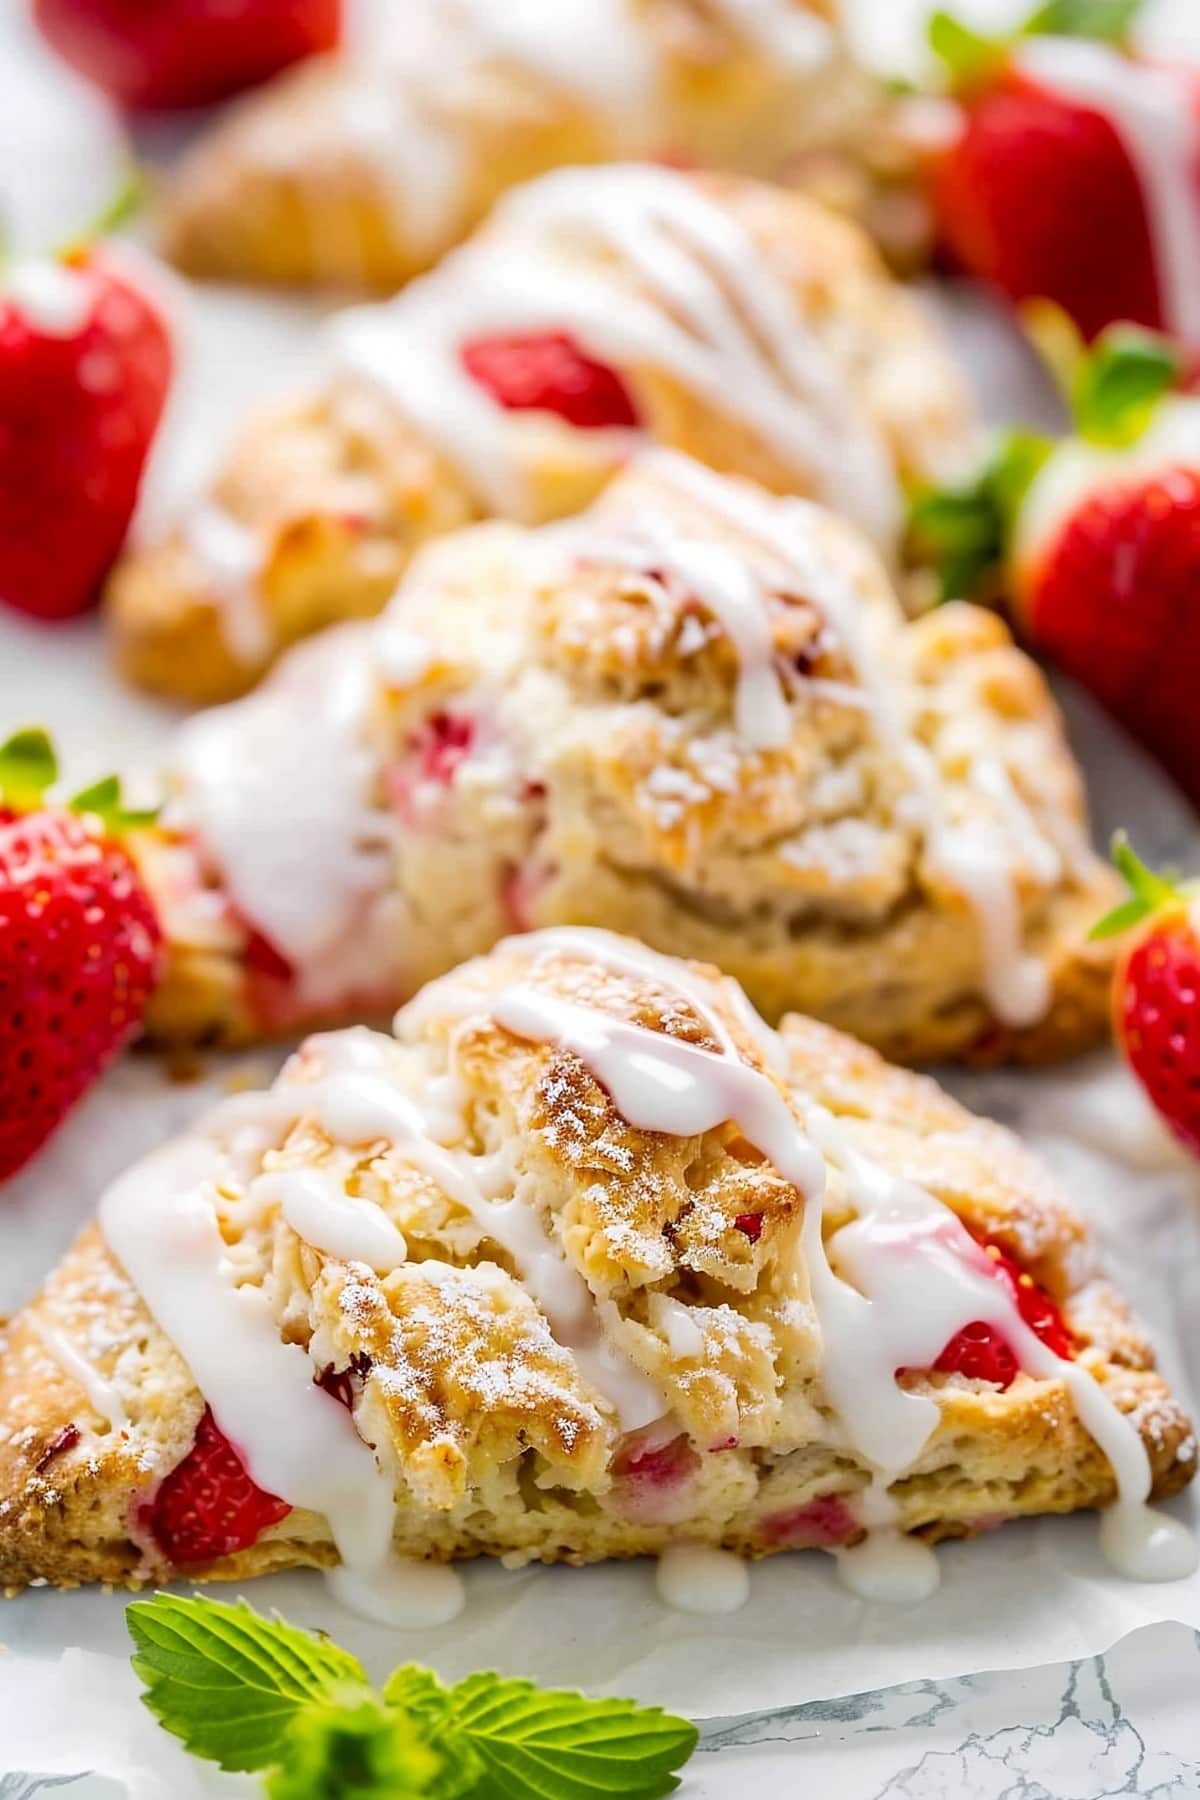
x=361 y=170
x=802 y=1295
x=696 y=714
x=737 y=322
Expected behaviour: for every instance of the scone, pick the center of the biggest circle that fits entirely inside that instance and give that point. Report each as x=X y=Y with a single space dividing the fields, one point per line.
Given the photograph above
x=362 y=170
x=696 y=714
x=599 y=308
x=583 y=1262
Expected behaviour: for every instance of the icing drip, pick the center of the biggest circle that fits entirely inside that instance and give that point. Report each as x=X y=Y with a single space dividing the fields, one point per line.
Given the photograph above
x=704 y=307
x=1152 y=111
x=278 y=789
x=318 y=1209
x=692 y=1578
x=890 y=1288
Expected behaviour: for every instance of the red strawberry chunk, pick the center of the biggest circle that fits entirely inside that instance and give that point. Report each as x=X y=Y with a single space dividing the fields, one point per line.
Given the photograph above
x=441 y=745
x=751 y=1224
x=80 y=946
x=547 y=371
x=652 y=1482
x=821 y=1524
x=208 y=1506
x=981 y=1353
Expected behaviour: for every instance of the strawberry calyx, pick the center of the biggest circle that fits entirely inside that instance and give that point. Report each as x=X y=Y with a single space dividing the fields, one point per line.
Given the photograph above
x=28 y=771
x=974 y=59
x=963 y=532
x=1112 y=388
x=1149 y=892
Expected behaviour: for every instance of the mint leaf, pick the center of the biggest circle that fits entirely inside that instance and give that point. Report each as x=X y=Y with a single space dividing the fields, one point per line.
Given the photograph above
x=28 y=766
x=227 y=1682
x=1121 y=382
x=550 y=1744
x=358 y=1748
x=1108 y=21
x=417 y=1691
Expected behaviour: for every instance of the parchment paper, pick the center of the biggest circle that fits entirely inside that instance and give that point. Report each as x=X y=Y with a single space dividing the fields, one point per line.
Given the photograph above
x=1022 y=1596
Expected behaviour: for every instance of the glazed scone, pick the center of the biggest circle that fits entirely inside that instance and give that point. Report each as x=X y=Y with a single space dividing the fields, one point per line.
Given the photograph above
x=598 y=309
x=361 y=170
x=695 y=714
x=581 y=1262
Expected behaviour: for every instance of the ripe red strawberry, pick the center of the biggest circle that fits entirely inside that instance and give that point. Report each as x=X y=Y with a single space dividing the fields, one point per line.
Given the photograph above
x=85 y=363
x=80 y=946
x=172 y=53
x=1096 y=543
x=1047 y=191
x=548 y=372
x=208 y=1506
x=981 y=1352
x=1156 y=992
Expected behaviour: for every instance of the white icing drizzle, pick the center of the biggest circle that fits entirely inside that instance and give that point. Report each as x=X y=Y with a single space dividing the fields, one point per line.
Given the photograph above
x=318 y=1209
x=278 y=789
x=694 y=1578
x=102 y=1395
x=705 y=307
x=231 y=557
x=1152 y=110
x=890 y=1289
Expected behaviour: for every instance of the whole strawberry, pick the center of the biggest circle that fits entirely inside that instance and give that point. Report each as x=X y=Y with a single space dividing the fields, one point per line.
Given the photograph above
x=163 y=54
x=80 y=944
x=1075 y=175
x=1095 y=542
x=85 y=363
x=1156 y=996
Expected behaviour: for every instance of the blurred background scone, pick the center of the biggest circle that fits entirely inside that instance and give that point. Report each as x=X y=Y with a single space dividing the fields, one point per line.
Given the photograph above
x=695 y=714
x=596 y=309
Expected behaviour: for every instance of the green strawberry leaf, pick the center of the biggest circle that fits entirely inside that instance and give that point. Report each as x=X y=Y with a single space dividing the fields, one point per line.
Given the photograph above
x=103 y=801
x=28 y=766
x=963 y=533
x=1121 y=382
x=551 y=1743
x=1148 y=892
x=972 y=58
x=1108 y=21
x=227 y=1682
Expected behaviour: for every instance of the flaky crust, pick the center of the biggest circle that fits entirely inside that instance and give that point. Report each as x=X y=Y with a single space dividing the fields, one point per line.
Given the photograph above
x=336 y=492
x=603 y=783
x=500 y=1442
x=301 y=183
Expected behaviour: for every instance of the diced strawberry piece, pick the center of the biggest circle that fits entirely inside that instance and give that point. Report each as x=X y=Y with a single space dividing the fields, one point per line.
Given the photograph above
x=982 y=1353
x=442 y=745
x=208 y=1506
x=261 y=955
x=751 y=1224
x=821 y=1524
x=652 y=1481
x=548 y=372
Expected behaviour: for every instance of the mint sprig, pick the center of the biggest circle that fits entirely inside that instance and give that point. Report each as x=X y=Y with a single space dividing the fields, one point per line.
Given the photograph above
x=259 y=1695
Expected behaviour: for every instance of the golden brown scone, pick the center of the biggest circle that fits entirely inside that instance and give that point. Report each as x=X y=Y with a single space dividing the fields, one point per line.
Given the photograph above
x=696 y=714
x=440 y=1281
x=734 y=321
x=360 y=171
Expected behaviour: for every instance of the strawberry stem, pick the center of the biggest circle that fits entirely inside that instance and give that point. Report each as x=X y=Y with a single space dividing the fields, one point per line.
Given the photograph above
x=975 y=59
x=122 y=207
x=963 y=532
x=28 y=766
x=1148 y=891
